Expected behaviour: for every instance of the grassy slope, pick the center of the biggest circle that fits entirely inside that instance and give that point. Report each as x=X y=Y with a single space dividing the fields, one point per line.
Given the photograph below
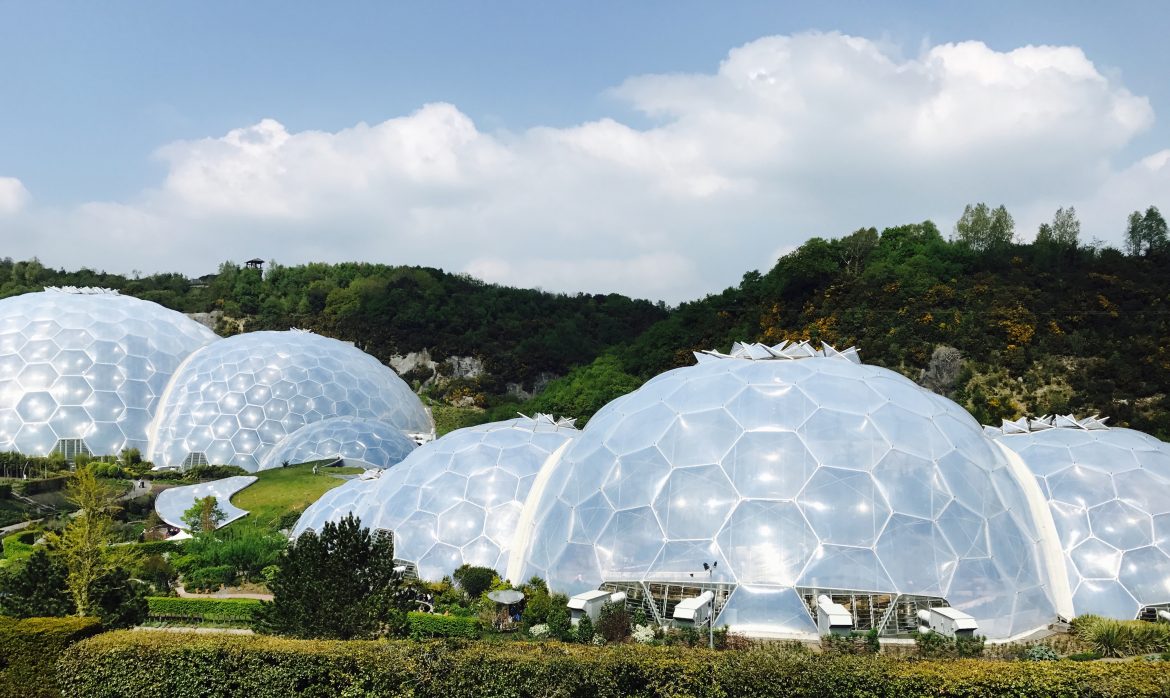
x=283 y=490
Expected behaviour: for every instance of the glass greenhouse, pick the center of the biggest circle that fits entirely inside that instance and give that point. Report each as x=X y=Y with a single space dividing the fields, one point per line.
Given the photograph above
x=357 y=441
x=770 y=480
x=453 y=501
x=1108 y=491
x=82 y=370
x=237 y=397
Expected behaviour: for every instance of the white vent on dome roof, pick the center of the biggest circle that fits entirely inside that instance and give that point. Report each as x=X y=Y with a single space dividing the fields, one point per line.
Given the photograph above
x=785 y=350
x=83 y=290
x=542 y=418
x=1024 y=425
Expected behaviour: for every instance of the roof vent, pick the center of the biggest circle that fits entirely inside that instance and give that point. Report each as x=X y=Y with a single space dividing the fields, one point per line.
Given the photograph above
x=783 y=351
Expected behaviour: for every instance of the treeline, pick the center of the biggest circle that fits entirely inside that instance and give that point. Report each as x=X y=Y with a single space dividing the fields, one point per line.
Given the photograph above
x=1006 y=328
x=519 y=334
x=1050 y=326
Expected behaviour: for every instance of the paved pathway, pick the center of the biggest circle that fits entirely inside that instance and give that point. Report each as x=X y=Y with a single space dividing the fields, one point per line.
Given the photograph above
x=183 y=593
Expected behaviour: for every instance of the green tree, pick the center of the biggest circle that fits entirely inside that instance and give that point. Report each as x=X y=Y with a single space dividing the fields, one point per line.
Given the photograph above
x=118 y=600
x=1146 y=234
x=983 y=229
x=614 y=622
x=204 y=515
x=340 y=585
x=474 y=580
x=586 y=389
x=85 y=546
x=560 y=626
x=35 y=588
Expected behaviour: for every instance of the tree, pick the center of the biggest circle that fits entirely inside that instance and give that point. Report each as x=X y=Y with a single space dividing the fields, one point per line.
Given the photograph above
x=36 y=588
x=1146 y=234
x=474 y=580
x=204 y=515
x=983 y=229
x=585 y=629
x=1066 y=227
x=85 y=546
x=118 y=600
x=341 y=585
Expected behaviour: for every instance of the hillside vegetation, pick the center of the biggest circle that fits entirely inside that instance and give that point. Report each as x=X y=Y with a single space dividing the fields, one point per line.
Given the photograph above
x=1004 y=328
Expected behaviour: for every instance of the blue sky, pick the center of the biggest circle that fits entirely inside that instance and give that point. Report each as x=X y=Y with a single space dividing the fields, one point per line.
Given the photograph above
x=93 y=96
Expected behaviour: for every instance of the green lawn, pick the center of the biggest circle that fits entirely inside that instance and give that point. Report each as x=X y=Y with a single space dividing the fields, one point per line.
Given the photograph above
x=285 y=490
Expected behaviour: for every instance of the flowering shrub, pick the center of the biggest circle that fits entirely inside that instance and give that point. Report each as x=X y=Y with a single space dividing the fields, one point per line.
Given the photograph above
x=644 y=634
x=540 y=630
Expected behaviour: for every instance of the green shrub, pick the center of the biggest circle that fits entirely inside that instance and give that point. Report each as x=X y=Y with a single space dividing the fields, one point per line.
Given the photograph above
x=158 y=547
x=585 y=629
x=935 y=646
x=854 y=643
x=208 y=610
x=429 y=625
x=29 y=650
x=5 y=490
x=210 y=578
x=1040 y=653
x=614 y=622
x=218 y=666
x=52 y=484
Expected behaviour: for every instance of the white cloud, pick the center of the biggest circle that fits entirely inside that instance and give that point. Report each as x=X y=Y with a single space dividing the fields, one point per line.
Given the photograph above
x=791 y=136
x=13 y=195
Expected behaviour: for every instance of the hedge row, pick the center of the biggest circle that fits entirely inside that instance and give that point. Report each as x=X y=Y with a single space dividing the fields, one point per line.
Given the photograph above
x=424 y=626
x=29 y=650
x=170 y=665
x=158 y=547
x=213 y=610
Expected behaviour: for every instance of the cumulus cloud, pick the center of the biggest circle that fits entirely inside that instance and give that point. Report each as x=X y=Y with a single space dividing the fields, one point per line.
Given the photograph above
x=13 y=195
x=790 y=136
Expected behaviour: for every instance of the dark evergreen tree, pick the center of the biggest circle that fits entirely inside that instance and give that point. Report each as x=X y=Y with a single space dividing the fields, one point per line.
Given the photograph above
x=341 y=584
x=119 y=601
x=474 y=580
x=36 y=588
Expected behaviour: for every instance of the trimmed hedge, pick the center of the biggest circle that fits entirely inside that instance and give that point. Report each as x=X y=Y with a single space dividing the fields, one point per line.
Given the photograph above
x=424 y=626
x=158 y=547
x=197 y=665
x=211 y=610
x=29 y=649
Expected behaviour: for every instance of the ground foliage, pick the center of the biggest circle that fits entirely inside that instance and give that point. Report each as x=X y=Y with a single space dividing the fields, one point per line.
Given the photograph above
x=168 y=664
x=29 y=650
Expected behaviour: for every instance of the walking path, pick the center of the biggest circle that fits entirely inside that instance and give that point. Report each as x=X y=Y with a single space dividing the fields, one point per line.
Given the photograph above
x=183 y=593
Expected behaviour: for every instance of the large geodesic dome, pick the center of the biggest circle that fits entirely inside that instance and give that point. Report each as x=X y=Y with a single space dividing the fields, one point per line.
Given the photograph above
x=82 y=370
x=776 y=474
x=455 y=500
x=1109 y=493
x=234 y=399
x=357 y=441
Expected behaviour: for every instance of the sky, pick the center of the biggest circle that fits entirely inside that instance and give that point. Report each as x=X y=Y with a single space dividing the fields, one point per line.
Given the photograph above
x=656 y=149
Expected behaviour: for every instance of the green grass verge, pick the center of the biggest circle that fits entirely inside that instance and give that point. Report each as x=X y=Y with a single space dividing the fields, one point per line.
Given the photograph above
x=282 y=491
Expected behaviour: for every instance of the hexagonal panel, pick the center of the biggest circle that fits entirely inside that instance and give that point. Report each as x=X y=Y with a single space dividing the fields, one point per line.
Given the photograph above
x=769 y=464
x=844 y=506
x=1121 y=525
x=695 y=501
x=767 y=542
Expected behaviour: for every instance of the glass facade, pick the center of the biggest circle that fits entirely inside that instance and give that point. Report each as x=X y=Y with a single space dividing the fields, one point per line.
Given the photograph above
x=357 y=441
x=236 y=398
x=455 y=500
x=1109 y=494
x=779 y=474
x=82 y=371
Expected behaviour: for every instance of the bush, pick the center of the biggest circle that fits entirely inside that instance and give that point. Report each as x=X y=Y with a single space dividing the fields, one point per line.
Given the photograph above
x=429 y=625
x=854 y=643
x=1040 y=653
x=210 y=578
x=614 y=622
x=560 y=627
x=935 y=646
x=1122 y=638
x=5 y=490
x=585 y=630
x=218 y=666
x=202 y=610
x=213 y=472
x=52 y=484
x=159 y=547
x=539 y=631
x=29 y=650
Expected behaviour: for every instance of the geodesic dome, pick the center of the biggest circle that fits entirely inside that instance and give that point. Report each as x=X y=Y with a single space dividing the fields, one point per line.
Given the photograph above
x=366 y=441
x=1109 y=494
x=236 y=398
x=455 y=500
x=82 y=370
x=773 y=480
